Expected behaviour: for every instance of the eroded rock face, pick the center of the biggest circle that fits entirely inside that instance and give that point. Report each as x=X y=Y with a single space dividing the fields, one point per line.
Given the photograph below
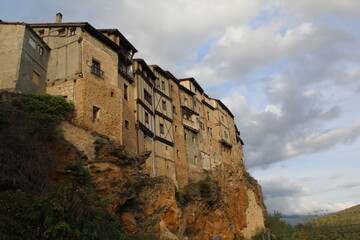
x=148 y=205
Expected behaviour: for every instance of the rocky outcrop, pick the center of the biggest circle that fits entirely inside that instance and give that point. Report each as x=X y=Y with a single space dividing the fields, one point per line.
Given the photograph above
x=229 y=203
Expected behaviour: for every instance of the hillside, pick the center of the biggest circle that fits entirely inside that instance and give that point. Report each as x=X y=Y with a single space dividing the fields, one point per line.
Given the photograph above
x=60 y=181
x=349 y=216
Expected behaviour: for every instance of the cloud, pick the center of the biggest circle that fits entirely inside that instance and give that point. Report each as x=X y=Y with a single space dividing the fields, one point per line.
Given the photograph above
x=291 y=196
x=314 y=9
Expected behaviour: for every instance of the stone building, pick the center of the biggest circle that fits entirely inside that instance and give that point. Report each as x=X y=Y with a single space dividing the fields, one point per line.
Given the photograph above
x=142 y=107
x=91 y=68
x=24 y=58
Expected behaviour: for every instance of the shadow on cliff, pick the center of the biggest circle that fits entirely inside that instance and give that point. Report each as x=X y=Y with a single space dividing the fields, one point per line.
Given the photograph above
x=35 y=158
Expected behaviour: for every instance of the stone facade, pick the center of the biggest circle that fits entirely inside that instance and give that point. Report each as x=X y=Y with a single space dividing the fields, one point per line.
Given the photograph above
x=25 y=66
x=142 y=107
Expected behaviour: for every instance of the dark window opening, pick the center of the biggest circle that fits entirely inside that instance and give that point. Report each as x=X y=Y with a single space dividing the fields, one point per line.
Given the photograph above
x=126 y=124
x=163 y=85
x=146 y=118
x=41 y=32
x=72 y=31
x=61 y=31
x=112 y=94
x=95 y=68
x=161 y=128
x=96 y=113
x=164 y=105
x=125 y=91
x=147 y=97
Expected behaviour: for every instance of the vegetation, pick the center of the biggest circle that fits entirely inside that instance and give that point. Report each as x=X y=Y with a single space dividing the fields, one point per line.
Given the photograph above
x=70 y=211
x=46 y=112
x=32 y=204
x=27 y=128
x=207 y=189
x=338 y=226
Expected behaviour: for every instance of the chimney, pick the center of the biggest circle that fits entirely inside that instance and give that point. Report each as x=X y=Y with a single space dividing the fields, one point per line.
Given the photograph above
x=58 y=18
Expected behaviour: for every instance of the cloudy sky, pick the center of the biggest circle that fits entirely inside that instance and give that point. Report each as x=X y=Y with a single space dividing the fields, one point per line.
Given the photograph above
x=288 y=70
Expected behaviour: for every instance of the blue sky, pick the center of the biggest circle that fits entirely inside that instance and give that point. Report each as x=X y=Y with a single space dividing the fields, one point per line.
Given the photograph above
x=288 y=70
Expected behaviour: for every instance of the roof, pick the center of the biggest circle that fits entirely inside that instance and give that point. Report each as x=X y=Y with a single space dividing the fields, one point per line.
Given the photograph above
x=12 y=23
x=172 y=77
x=163 y=72
x=224 y=107
x=197 y=85
x=84 y=25
x=123 y=40
x=144 y=65
x=185 y=89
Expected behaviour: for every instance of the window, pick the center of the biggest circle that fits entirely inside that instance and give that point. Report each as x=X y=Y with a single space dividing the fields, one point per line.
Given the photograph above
x=146 y=118
x=126 y=124
x=161 y=128
x=147 y=97
x=112 y=93
x=185 y=101
x=72 y=31
x=61 y=31
x=166 y=147
x=32 y=43
x=171 y=87
x=36 y=78
x=208 y=115
x=41 y=32
x=96 y=113
x=125 y=91
x=175 y=128
x=195 y=159
x=40 y=50
x=174 y=109
x=163 y=85
x=95 y=68
x=164 y=105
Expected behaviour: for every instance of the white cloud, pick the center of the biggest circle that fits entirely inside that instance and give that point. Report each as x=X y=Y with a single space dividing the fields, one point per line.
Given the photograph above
x=314 y=9
x=291 y=196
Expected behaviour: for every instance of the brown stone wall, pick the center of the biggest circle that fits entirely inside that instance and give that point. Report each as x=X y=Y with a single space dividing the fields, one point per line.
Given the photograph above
x=180 y=155
x=11 y=41
x=98 y=105
x=129 y=134
x=165 y=164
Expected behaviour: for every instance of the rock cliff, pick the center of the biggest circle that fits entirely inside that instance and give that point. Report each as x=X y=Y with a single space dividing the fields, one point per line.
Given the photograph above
x=228 y=202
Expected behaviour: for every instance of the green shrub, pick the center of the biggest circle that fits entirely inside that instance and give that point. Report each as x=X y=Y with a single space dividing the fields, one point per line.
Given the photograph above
x=71 y=211
x=206 y=189
x=46 y=112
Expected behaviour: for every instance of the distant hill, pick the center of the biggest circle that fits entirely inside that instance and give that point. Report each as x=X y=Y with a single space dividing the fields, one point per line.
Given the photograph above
x=349 y=216
x=294 y=220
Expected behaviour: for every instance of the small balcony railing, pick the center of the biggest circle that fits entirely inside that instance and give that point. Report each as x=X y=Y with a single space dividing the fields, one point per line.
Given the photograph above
x=97 y=71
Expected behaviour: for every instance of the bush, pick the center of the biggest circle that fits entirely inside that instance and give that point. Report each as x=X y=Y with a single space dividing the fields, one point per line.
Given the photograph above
x=46 y=112
x=206 y=189
x=71 y=211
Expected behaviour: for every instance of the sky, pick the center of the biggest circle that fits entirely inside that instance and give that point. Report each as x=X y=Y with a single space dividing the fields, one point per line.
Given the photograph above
x=288 y=70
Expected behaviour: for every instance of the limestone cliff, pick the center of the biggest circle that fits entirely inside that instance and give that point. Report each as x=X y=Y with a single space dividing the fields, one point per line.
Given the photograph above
x=228 y=202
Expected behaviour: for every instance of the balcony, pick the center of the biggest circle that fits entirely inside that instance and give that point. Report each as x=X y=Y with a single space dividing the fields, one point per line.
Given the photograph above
x=126 y=73
x=225 y=143
x=190 y=125
x=97 y=71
